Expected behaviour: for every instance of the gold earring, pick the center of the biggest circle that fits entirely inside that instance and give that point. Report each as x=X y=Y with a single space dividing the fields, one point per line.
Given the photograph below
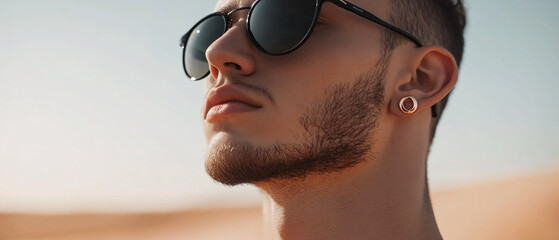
x=408 y=110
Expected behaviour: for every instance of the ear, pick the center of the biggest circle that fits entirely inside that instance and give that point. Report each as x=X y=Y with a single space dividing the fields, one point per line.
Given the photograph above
x=433 y=74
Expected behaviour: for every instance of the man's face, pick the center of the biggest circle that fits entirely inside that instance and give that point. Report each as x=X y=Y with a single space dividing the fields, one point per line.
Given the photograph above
x=313 y=110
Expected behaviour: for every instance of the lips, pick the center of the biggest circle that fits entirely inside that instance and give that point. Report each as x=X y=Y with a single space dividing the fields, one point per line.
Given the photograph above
x=227 y=100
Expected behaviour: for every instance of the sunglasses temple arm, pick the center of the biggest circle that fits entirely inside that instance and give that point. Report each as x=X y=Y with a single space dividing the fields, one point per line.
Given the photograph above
x=369 y=16
x=183 y=39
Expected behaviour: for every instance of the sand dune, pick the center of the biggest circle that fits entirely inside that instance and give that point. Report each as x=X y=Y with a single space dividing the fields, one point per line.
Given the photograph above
x=519 y=208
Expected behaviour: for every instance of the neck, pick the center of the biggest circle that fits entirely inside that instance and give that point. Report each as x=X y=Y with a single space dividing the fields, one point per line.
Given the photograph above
x=383 y=198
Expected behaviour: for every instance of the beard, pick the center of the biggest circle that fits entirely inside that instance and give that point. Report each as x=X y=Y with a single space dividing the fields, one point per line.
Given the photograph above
x=338 y=133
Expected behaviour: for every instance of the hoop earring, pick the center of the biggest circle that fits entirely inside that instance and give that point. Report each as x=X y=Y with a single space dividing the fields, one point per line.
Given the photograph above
x=408 y=110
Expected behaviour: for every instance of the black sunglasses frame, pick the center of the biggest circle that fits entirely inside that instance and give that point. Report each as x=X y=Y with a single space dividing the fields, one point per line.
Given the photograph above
x=340 y=3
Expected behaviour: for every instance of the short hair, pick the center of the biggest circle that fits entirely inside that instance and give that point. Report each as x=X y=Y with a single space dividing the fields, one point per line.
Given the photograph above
x=433 y=22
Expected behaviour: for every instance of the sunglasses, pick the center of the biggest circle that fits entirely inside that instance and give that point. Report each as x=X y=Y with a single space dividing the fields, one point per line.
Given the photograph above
x=275 y=27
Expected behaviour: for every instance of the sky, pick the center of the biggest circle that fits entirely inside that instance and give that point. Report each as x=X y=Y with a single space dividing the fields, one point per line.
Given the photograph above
x=96 y=113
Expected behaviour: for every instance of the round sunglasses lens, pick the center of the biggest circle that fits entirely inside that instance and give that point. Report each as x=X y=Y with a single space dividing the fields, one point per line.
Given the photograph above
x=280 y=26
x=201 y=37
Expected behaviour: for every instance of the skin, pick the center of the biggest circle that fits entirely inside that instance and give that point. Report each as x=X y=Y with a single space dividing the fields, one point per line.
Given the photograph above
x=384 y=195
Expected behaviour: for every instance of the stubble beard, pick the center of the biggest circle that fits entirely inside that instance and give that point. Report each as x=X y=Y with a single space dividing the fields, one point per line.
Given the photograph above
x=338 y=131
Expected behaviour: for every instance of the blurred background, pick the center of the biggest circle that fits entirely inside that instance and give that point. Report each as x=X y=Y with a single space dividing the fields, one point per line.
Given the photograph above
x=96 y=113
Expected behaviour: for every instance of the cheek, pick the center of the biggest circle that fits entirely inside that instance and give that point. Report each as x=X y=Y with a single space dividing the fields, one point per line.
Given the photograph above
x=302 y=77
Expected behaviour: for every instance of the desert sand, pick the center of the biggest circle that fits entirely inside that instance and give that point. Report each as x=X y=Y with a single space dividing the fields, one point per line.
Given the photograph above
x=518 y=208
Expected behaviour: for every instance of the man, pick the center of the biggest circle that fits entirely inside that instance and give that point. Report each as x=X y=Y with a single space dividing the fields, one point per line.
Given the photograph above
x=329 y=107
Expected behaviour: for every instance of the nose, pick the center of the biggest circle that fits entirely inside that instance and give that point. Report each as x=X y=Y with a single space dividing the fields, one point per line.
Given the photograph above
x=232 y=53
